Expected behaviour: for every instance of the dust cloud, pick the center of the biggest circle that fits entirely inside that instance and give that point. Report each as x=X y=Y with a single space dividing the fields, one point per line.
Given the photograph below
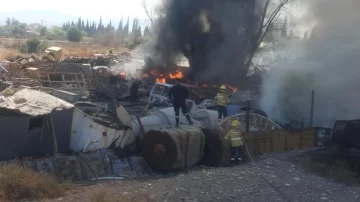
x=329 y=64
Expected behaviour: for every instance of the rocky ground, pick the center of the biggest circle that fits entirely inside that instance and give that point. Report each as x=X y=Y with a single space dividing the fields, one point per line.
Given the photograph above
x=238 y=183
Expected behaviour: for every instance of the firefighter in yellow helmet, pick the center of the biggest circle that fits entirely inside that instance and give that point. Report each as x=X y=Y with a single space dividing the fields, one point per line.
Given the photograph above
x=222 y=100
x=237 y=149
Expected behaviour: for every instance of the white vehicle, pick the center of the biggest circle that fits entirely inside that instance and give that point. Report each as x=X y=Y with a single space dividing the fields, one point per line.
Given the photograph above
x=159 y=92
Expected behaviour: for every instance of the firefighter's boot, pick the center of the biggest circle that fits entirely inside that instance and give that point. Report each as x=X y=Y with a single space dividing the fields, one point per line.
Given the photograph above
x=177 y=121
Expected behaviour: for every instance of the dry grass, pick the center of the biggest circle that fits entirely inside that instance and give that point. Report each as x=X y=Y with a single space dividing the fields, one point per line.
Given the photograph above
x=103 y=196
x=11 y=43
x=8 y=54
x=11 y=48
x=328 y=164
x=17 y=182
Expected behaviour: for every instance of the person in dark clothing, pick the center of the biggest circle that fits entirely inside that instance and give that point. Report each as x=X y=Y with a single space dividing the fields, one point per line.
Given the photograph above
x=134 y=90
x=178 y=94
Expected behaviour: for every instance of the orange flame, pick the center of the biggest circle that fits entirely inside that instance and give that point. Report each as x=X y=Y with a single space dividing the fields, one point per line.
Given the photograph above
x=161 y=79
x=177 y=75
x=122 y=73
x=205 y=85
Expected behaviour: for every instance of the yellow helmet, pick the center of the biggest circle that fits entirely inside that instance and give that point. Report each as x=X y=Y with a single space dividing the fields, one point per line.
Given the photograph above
x=223 y=87
x=235 y=123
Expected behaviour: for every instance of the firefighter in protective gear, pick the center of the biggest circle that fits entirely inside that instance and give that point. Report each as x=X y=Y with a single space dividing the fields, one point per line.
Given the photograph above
x=178 y=94
x=237 y=150
x=222 y=100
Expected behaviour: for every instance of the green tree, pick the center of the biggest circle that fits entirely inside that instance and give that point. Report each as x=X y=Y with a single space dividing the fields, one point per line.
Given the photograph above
x=126 y=28
x=56 y=31
x=78 y=24
x=8 y=22
x=146 y=31
x=100 y=26
x=43 y=31
x=74 y=34
x=87 y=27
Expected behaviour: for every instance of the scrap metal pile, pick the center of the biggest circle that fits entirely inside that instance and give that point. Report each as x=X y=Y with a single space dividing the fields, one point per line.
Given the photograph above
x=101 y=59
x=40 y=71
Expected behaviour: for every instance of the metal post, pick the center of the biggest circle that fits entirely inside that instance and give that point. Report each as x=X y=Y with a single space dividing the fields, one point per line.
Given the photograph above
x=302 y=123
x=312 y=108
x=248 y=116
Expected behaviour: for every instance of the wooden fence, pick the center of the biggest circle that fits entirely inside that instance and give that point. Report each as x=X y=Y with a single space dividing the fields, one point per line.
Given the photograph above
x=279 y=140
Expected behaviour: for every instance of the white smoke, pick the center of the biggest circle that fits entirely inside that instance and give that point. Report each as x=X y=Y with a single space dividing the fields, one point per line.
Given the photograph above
x=328 y=63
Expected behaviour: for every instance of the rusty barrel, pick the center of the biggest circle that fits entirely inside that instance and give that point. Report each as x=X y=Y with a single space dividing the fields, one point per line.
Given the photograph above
x=216 y=149
x=173 y=149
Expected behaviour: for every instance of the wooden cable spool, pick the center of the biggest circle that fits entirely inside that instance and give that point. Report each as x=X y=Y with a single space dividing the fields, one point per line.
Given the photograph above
x=173 y=149
x=216 y=149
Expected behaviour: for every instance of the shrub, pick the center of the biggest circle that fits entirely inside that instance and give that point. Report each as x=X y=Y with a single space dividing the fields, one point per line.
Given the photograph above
x=33 y=45
x=43 y=46
x=84 y=34
x=338 y=170
x=24 y=48
x=74 y=34
x=17 y=182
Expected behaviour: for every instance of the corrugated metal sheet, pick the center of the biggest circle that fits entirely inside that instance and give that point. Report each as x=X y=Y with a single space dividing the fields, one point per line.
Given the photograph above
x=89 y=135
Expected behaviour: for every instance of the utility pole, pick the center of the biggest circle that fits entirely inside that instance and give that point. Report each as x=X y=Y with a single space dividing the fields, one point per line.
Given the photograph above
x=312 y=108
x=248 y=116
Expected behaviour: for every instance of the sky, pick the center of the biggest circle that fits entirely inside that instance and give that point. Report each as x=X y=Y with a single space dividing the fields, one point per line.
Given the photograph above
x=108 y=9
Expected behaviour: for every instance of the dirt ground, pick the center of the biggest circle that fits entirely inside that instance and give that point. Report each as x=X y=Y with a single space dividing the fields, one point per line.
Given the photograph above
x=238 y=183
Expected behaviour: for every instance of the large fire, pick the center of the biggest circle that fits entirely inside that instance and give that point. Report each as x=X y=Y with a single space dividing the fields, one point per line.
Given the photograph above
x=177 y=75
x=161 y=79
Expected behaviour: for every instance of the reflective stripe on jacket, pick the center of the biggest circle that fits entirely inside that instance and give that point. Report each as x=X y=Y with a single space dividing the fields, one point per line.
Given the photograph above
x=222 y=99
x=236 y=137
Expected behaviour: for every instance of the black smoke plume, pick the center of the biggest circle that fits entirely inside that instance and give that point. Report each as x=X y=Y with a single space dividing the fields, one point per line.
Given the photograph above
x=214 y=35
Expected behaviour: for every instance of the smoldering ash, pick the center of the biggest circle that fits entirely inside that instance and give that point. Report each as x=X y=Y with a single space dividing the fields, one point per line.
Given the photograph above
x=213 y=35
x=329 y=65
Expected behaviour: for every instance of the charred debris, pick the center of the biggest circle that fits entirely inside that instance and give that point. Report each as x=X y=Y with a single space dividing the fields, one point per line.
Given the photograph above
x=71 y=116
